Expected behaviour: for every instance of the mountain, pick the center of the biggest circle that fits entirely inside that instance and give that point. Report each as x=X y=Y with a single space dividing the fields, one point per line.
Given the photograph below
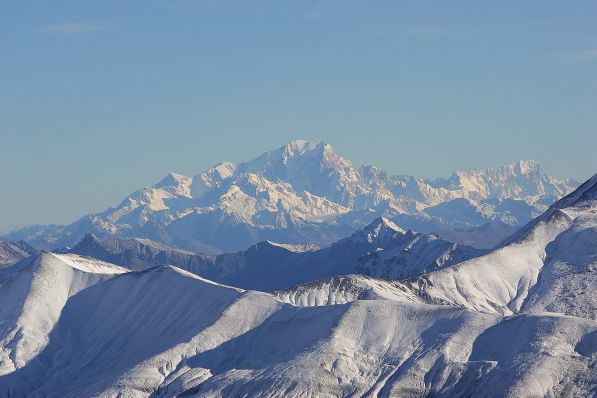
x=139 y=254
x=549 y=265
x=32 y=296
x=381 y=249
x=304 y=192
x=165 y=332
x=519 y=321
x=13 y=252
x=523 y=180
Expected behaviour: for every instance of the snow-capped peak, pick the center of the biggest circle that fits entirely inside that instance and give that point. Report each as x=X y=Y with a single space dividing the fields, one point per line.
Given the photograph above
x=380 y=230
x=525 y=166
x=225 y=169
x=308 y=182
x=383 y=223
x=299 y=147
x=172 y=180
x=176 y=184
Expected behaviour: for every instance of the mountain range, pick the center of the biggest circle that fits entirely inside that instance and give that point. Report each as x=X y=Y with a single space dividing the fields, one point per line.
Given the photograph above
x=304 y=192
x=381 y=249
x=519 y=320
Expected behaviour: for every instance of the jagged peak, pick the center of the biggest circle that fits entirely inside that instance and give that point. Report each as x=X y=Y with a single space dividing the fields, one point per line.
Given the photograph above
x=382 y=222
x=525 y=166
x=224 y=169
x=519 y=167
x=380 y=229
x=89 y=239
x=173 y=180
x=299 y=148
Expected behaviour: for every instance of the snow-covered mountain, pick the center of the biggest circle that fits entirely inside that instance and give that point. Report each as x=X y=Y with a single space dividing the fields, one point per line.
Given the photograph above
x=550 y=265
x=165 y=332
x=381 y=249
x=519 y=321
x=13 y=252
x=32 y=295
x=305 y=192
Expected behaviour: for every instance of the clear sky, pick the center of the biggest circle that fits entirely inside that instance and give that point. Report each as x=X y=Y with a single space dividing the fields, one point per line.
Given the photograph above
x=100 y=98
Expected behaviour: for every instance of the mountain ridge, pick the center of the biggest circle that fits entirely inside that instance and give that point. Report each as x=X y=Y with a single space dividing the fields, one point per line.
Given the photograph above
x=380 y=249
x=517 y=321
x=304 y=192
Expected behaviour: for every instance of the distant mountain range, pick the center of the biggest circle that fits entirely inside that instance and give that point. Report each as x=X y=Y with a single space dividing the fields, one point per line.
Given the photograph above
x=304 y=192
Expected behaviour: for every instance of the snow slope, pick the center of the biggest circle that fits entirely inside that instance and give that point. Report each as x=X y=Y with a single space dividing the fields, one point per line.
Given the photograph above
x=549 y=265
x=164 y=332
x=32 y=295
x=346 y=289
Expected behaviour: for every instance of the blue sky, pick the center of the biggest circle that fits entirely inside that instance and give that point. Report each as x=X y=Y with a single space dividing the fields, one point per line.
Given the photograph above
x=100 y=98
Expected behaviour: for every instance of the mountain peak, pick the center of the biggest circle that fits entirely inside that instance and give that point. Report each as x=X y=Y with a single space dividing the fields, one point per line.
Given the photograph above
x=224 y=169
x=300 y=146
x=173 y=180
x=523 y=167
x=176 y=184
x=381 y=229
x=88 y=239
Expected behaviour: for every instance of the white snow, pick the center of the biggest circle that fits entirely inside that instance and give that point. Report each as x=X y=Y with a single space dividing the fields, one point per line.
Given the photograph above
x=520 y=321
x=164 y=332
x=303 y=188
x=32 y=296
x=517 y=322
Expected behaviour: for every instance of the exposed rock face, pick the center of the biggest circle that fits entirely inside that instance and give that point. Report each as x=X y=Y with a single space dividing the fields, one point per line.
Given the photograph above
x=13 y=252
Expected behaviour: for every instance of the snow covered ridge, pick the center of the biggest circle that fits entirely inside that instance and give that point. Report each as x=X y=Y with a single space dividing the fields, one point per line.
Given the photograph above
x=550 y=265
x=165 y=332
x=304 y=192
x=32 y=295
x=519 y=321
